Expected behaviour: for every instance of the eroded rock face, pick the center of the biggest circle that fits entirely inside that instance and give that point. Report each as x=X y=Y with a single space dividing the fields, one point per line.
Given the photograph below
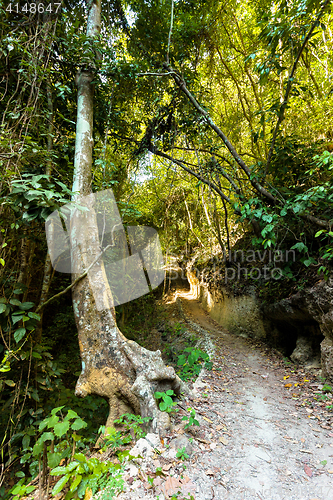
x=327 y=358
x=296 y=324
x=319 y=300
x=311 y=309
x=240 y=315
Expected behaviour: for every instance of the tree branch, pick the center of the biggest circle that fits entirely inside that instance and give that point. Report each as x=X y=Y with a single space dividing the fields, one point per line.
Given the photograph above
x=157 y=152
x=226 y=176
x=79 y=278
x=181 y=84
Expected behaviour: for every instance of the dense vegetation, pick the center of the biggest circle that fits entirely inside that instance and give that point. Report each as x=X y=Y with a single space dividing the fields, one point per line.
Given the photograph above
x=212 y=121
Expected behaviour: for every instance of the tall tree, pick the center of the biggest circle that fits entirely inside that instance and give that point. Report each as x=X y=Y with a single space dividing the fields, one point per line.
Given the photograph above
x=112 y=366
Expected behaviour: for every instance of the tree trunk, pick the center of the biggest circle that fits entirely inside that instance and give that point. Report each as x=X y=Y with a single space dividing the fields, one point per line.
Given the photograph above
x=112 y=366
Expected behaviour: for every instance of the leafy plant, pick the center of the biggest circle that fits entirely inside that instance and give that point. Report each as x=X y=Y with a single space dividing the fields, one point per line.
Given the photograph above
x=326 y=251
x=132 y=429
x=179 y=329
x=167 y=404
x=17 y=319
x=58 y=442
x=112 y=438
x=181 y=453
x=133 y=423
x=323 y=397
x=178 y=496
x=36 y=196
x=191 y=418
x=85 y=474
x=191 y=363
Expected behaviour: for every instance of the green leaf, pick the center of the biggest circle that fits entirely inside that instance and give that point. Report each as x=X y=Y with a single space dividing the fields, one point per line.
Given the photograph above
x=15 y=302
x=78 y=424
x=2 y=262
x=60 y=484
x=34 y=315
x=38 y=448
x=16 y=319
x=297 y=208
x=25 y=458
x=54 y=459
x=76 y=482
x=11 y=383
x=72 y=414
x=58 y=471
x=49 y=422
x=17 y=489
x=49 y=194
x=19 y=334
x=46 y=436
x=300 y=247
x=43 y=424
x=181 y=360
x=73 y=465
x=26 y=305
x=2 y=308
x=61 y=428
x=267 y=218
x=80 y=457
x=168 y=400
x=55 y=410
x=25 y=441
x=82 y=488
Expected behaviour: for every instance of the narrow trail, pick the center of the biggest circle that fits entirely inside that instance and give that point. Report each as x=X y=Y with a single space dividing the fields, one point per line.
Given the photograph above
x=259 y=445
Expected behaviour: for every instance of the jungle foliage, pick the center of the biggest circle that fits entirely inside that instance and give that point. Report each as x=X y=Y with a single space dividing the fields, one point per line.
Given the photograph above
x=217 y=128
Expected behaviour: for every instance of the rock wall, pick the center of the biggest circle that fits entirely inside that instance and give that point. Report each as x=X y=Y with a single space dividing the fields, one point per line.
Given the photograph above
x=302 y=325
x=312 y=310
x=240 y=315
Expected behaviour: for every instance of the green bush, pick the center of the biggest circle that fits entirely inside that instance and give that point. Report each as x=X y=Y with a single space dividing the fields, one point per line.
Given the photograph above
x=191 y=363
x=167 y=404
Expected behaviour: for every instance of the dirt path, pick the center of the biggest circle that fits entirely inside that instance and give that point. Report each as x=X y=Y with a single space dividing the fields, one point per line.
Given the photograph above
x=258 y=436
x=260 y=446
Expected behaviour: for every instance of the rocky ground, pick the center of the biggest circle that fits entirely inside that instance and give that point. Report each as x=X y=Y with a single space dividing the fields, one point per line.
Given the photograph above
x=265 y=429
